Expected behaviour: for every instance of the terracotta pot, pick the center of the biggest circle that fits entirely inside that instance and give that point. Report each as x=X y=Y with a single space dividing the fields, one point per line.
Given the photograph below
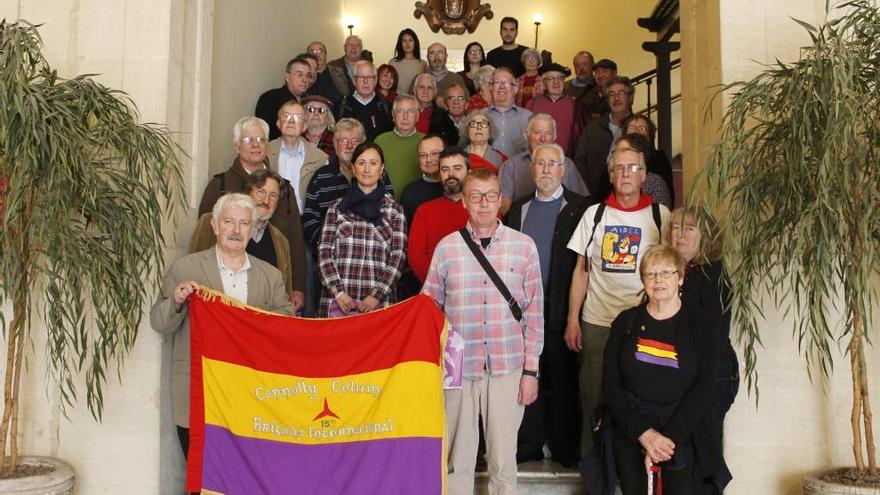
x=58 y=482
x=813 y=485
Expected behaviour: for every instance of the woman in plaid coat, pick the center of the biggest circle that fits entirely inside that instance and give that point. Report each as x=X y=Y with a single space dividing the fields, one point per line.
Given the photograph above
x=363 y=243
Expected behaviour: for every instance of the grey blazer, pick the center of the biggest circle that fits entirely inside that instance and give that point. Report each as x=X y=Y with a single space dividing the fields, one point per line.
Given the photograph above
x=265 y=291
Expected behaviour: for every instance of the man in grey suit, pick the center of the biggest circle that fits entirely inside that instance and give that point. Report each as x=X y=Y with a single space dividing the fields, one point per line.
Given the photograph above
x=225 y=267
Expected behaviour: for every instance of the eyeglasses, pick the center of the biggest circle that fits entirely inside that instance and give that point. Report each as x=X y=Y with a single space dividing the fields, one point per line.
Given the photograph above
x=321 y=110
x=553 y=78
x=249 y=140
x=660 y=274
x=436 y=54
x=263 y=194
x=478 y=125
x=292 y=117
x=548 y=163
x=621 y=92
x=632 y=168
x=316 y=51
x=503 y=84
x=456 y=98
x=364 y=78
x=349 y=141
x=301 y=74
x=477 y=197
x=638 y=128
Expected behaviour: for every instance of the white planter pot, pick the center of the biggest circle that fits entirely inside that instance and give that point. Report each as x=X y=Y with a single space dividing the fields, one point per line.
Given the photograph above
x=58 y=482
x=813 y=485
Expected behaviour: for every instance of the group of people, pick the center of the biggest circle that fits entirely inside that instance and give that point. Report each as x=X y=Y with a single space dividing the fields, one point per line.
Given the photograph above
x=533 y=209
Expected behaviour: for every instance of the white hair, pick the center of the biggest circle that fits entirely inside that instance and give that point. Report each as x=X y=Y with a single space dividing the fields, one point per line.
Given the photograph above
x=246 y=123
x=234 y=199
x=549 y=146
x=541 y=116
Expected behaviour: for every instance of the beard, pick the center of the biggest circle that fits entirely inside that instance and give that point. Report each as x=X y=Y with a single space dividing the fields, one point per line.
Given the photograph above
x=451 y=186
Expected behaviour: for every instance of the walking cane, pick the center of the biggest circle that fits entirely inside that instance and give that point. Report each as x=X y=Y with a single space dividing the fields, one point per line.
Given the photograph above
x=655 y=469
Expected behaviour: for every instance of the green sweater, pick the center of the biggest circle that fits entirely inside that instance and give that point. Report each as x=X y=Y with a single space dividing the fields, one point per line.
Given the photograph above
x=401 y=158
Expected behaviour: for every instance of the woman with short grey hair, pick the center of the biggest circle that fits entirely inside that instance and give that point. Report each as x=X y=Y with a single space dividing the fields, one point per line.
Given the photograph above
x=477 y=134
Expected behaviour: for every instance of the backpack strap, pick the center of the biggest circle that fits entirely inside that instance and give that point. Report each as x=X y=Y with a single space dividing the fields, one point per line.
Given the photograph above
x=600 y=210
x=655 y=212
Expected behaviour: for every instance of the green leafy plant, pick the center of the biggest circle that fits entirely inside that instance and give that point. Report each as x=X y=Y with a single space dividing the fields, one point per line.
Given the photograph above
x=84 y=190
x=795 y=172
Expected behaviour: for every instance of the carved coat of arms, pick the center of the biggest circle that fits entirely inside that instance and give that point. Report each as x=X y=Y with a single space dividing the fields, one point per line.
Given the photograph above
x=453 y=16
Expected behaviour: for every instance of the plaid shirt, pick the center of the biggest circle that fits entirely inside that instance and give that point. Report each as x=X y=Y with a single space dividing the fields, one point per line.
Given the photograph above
x=494 y=340
x=359 y=258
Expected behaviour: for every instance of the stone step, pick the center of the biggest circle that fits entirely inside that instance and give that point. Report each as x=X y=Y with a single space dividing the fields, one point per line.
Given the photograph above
x=538 y=478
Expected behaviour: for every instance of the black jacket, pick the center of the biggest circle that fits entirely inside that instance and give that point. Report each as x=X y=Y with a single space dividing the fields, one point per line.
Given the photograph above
x=591 y=157
x=562 y=259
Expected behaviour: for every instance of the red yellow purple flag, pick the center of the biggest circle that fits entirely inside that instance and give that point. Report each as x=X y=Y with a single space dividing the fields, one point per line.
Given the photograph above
x=316 y=406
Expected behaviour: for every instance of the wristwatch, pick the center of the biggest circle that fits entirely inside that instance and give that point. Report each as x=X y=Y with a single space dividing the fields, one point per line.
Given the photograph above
x=534 y=373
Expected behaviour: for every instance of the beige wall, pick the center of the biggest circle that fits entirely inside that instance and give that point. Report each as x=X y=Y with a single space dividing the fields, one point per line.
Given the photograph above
x=155 y=52
x=796 y=427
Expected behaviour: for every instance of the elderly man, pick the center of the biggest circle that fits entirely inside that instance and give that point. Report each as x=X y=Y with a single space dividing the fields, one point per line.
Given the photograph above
x=295 y=158
x=511 y=119
x=432 y=118
x=555 y=102
x=439 y=217
x=456 y=106
x=592 y=104
x=298 y=76
x=400 y=145
x=330 y=80
x=319 y=123
x=549 y=217
x=331 y=181
x=516 y=176
x=224 y=267
x=267 y=242
x=609 y=242
x=428 y=186
x=353 y=49
x=503 y=335
x=250 y=137
x=437 y=67
x=509 y=54
x=364 y=105
x=595 y=144
x=583 y=75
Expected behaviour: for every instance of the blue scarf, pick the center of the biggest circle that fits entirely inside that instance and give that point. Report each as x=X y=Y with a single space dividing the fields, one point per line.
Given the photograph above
x=366 y=206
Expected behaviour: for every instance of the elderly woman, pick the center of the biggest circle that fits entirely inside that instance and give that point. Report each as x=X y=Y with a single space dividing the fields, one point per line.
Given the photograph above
x=659 y=366
x=361 y=253
x=529 y=84
x=320 y=125
x=653 y=185
x=656 y=160
x=407 y=60
x=477 y=134
x=474 y=58
x=387 y=82
x=482 y=97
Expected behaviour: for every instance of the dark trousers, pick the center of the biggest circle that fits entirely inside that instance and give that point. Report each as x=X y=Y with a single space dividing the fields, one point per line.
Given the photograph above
x=183 y=437
x=555 y=417
x=630 y=461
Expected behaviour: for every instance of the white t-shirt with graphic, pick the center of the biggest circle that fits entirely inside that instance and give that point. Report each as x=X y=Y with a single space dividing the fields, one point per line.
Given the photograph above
x=614 y=256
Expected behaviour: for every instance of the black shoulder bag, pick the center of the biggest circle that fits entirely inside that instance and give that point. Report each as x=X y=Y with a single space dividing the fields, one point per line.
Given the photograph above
x=487 y=267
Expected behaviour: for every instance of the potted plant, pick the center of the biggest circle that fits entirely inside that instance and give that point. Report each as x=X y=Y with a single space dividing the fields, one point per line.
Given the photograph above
x=84 y=190
x=795 y=172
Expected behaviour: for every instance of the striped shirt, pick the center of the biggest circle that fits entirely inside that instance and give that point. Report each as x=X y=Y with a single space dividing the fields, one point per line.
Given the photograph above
x=327 y=185
x=494 y=341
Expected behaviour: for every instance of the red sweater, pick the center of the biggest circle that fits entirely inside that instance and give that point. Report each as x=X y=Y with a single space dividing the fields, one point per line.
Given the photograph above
x=433 y=221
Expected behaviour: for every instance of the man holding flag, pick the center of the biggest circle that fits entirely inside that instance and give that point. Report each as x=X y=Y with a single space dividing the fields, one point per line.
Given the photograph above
x=224 y=267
